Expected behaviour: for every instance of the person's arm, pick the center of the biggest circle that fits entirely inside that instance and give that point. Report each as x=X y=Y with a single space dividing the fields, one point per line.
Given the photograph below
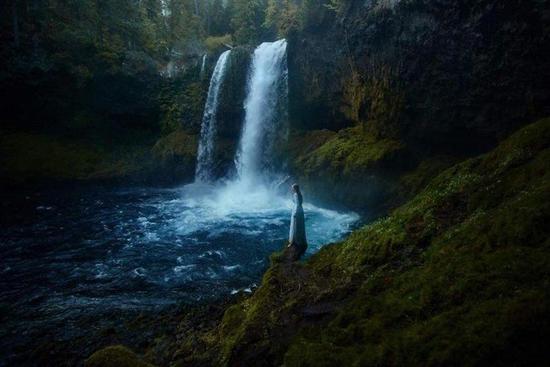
x=282 y=182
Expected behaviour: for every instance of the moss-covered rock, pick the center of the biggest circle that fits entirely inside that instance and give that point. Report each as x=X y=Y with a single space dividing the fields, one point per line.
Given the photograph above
x=350 y=168
x=218 y=43
x=176 y=144
x=115 y=356
x=175 y=156
x=349 y=153
x=457 y=276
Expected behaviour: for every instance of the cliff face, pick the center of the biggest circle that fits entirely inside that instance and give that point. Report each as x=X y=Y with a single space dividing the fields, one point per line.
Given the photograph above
x=426 y=71
x=438 y=77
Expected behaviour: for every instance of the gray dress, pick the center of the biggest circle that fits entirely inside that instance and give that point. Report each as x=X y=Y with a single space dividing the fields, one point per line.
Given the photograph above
x=297 y=236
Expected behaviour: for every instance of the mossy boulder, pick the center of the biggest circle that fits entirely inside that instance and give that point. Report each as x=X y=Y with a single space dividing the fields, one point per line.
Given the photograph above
x=349 y=153
x=115 y=356
x=175 y=156
x=350 y=168
x=457 y=276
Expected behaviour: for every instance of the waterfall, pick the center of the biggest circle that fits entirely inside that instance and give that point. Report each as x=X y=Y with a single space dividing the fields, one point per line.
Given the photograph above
x=265 y=107
x=205 y=154
x=203 y=65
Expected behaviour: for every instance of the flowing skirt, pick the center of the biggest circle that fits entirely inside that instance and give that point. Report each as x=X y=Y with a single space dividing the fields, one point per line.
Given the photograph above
x=297 y=236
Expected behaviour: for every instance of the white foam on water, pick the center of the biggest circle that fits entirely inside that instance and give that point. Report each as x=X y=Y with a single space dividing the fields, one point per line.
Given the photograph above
x=232 y=207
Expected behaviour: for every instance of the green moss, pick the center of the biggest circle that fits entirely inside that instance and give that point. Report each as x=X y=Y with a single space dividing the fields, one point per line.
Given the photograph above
x=177 y=143
x=31 y=158
x=417 y=179
x=115 y=356
x=374 y=102
x=348 y=168
x=301 y=143
x=349 y=152
x=448 y=271
x=458 y=276
x=181 y=104
x=26 y=156
x=215 y=43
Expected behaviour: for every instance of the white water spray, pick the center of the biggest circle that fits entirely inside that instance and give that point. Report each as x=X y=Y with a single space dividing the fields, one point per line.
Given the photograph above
x=205 y=155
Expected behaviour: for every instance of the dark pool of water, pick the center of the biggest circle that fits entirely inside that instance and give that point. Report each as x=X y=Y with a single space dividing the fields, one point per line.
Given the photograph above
x=74 y=254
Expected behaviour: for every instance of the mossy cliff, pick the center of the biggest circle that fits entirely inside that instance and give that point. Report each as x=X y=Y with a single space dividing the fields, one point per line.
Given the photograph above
x=35 y=158
x=457 y=276
x=352 y=168
x=348 y=168
x=432 y=77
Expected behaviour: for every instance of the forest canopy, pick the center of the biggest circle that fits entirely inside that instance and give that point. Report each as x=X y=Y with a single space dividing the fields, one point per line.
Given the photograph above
x=64 y=53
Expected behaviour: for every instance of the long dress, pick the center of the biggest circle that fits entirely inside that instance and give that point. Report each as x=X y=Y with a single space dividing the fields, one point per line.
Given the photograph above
x=297 y=236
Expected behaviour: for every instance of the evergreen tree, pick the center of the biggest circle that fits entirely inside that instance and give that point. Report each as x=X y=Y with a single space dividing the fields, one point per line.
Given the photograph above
x=248 y=19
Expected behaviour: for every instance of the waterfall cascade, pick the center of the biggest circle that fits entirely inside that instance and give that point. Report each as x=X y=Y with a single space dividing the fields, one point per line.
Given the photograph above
x=205 y=155
x=255 y=196
x=203 y=65
x=265 y=111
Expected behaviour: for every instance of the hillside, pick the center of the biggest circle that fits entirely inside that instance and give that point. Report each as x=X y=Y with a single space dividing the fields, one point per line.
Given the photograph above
x=457 y=276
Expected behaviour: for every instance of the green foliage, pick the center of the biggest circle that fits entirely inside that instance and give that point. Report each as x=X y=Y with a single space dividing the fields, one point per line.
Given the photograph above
x=215 y=43
x=282 y=17
x=448 y=271
x=184 y=27
x=247 y=20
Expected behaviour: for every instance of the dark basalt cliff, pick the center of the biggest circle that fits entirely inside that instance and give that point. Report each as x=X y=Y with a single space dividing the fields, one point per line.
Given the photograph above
x=429 y=72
